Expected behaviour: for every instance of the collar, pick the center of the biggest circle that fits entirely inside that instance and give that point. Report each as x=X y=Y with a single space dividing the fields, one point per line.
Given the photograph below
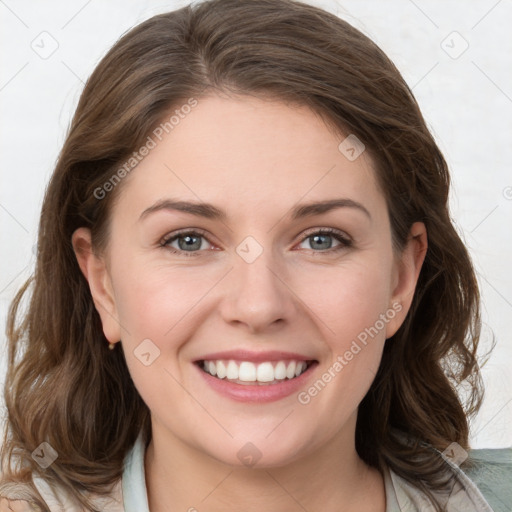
x=401 y=496
x=135 y=496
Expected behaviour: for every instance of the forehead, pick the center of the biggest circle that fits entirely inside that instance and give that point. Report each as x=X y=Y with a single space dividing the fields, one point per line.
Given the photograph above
x=250 y=154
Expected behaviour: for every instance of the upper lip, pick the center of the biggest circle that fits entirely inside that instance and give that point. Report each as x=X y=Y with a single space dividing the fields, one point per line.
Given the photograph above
x=255 y=357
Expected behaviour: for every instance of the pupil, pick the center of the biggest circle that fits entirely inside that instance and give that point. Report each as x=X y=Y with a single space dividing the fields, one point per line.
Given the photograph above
x=325 y=245
x=189 y=242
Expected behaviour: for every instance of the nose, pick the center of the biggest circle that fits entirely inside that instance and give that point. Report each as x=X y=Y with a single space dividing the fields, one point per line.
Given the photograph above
x=258 y=296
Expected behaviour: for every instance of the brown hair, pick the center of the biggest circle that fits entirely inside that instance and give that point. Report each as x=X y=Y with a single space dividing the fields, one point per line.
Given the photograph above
x=65 y=387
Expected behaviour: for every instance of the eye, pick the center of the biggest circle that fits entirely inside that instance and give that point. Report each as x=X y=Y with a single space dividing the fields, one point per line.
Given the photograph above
x=189 y=243
x=193 y=242
x=321 y=240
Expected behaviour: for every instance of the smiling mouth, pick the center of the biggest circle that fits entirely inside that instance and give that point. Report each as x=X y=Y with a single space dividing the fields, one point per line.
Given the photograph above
x=260 y=374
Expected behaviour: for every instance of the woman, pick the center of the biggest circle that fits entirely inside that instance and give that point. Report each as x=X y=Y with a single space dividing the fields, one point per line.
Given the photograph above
x=251 y=214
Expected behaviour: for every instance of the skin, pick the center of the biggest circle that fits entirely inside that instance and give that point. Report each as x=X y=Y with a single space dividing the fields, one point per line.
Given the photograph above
x=255 y=159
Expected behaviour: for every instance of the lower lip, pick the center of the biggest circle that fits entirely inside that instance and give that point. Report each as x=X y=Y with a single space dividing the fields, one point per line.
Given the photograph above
x=256 y=392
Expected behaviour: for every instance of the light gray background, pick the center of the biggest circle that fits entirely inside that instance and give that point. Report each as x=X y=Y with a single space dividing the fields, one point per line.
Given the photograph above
x=466 y=98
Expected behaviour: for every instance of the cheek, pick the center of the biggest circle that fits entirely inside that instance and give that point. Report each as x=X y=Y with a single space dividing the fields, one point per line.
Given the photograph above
x=348 y=299
x=353 y=306
x=354 y=333
x=165 y=306
x=155 y=313
x=151 y=300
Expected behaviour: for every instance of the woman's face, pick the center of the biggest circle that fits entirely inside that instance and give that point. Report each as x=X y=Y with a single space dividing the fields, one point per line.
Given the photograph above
x=248 y=239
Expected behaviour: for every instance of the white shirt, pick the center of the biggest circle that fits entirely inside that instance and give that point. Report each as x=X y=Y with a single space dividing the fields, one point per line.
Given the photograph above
x=130 y=494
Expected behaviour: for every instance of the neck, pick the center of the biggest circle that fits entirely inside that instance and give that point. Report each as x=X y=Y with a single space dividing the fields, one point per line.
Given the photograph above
x=330 y=478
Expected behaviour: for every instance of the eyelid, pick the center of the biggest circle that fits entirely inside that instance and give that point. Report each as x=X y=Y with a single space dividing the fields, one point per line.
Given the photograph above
x=185 y=231
x=165 y=242
x=330 y=231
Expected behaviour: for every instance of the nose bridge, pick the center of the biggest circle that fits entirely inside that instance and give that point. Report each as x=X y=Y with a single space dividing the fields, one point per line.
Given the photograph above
x=258 y=297
x=258 y=274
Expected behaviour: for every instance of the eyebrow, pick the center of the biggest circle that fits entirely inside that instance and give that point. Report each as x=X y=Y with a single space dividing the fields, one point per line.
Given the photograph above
x=209 y=211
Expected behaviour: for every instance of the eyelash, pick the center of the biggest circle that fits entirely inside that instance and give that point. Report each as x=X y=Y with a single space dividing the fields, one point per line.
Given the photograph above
x=344 y=240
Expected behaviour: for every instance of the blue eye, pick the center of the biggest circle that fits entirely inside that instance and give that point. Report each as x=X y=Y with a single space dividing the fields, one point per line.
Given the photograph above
x=322 y=240
x=193 y=243
x=189 y=243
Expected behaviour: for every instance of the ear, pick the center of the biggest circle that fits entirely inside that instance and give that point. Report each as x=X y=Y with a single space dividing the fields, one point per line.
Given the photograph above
x=95 y=270
x=406 y=273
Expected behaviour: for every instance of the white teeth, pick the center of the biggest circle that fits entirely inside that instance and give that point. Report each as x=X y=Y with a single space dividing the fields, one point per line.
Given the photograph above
x=221 y=369
x=290 y=370
x=280 y=371
x=232 y=371
x=265 y=372
x=247 y=371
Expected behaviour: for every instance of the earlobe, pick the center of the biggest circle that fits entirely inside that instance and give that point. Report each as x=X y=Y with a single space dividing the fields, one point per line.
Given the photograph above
x=96 y=273
x=407 y=274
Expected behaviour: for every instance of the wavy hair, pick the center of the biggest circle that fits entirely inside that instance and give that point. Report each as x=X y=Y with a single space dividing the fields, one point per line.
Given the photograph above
x=65 y=387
